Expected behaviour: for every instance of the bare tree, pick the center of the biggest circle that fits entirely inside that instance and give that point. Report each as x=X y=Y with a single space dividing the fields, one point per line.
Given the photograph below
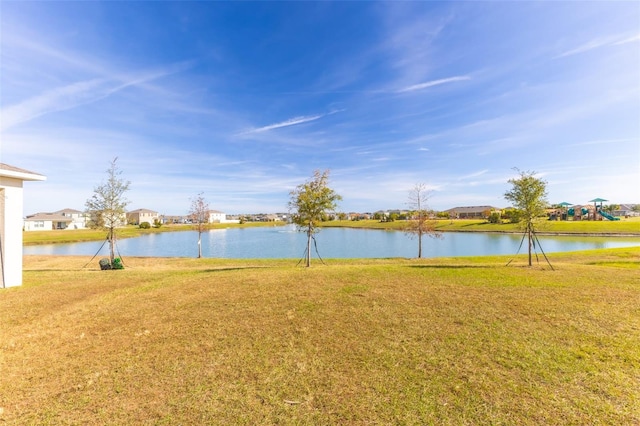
x=199 y=215
x=106 y=208
x=310 y=203
x=419 y=223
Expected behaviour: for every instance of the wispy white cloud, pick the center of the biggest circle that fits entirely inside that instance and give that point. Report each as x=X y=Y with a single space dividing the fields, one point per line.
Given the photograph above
x=600 y=42
x=59 y=99
x=631 y=39
x=432 y=83
x=290 y=122
x=74 y=95
x=474 y=175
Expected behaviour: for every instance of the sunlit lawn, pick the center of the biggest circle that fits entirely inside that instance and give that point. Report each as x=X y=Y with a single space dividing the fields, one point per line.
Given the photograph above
x=630 y=226
x=399 y=341
x=129 y=231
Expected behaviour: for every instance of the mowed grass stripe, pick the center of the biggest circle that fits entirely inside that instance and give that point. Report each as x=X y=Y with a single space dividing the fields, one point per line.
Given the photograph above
x=395 y=341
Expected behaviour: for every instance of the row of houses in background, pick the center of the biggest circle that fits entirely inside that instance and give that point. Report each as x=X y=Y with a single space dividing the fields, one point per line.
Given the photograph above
x=76 y=219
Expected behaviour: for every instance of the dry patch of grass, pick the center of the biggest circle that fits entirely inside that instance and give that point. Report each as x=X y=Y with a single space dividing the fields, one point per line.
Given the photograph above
x=398 y=341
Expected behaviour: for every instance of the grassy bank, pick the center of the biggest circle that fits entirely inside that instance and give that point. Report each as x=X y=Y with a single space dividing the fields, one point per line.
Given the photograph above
x=630 y=226
x=397 y=341
x=80 y=235
x=623 y=227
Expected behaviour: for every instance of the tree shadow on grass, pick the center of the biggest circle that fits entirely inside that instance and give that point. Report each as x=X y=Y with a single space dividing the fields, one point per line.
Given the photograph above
x=231 y=268
x=454 y=266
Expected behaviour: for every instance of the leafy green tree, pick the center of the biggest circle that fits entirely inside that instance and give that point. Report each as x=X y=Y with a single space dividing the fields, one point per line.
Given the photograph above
x=512 y=215
x=610 y=208
x=420 y=223
x=199 y=216
x=309 y=204
x=494 y=217
x=528 y=194
x=106 y=208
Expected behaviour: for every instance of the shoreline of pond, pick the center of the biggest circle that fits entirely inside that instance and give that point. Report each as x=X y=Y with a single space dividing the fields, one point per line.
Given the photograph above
x=474 y=231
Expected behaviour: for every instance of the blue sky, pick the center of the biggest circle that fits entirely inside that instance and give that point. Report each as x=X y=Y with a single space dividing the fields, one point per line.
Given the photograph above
x=242 y=101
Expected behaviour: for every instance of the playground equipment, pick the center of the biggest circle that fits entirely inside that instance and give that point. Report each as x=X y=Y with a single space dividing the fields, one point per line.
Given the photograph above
x=607 y=215
x=563 y=211
x=578 y=213
x=600 y=211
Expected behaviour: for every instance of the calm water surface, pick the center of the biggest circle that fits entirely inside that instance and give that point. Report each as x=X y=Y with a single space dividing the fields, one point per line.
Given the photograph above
x=286 y=242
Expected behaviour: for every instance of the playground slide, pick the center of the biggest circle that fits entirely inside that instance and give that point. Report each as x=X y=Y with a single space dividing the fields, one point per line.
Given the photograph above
x=607 y=215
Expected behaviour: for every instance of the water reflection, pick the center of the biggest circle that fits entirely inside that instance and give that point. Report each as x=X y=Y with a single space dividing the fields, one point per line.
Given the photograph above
x=286 y=242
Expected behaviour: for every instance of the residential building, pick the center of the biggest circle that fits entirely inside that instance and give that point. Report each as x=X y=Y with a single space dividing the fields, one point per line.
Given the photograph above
x=136 y=217
x=172 y=220
x=216 y=216
x=61 y=219
x=471 y=212
x=78 y=218
x=46 y=222
x=626 y=210
x=11 y=204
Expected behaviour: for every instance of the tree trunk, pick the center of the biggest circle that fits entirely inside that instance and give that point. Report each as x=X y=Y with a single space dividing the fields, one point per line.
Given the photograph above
x=199 y=245
x=309 y=246
x=419 y=245
x=529 y=232
x=112 y=255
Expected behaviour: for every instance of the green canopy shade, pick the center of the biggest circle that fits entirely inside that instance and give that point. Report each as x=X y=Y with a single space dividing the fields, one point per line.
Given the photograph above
x=565 y=204
x=597 y=200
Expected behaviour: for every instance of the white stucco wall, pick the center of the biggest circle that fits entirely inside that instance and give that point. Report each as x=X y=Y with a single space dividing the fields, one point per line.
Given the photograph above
x=11 y=204
x=215 y=216
x=12 y=234
x=30 y=225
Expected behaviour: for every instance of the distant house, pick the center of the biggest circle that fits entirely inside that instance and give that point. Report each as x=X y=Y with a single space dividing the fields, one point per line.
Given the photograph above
x=62 y=219
x=136 y=217
x=173 y=220
x=471 y=212
x=626 y=210
x=11 y=204
x=46 y=222
x=358 y=216
x=78 y=218
x=216 y=216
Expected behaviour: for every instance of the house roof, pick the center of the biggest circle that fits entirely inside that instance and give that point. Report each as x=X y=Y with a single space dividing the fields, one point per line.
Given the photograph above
x=626 y=207
x=472 y=209
x=49 y=216
x=18 y=173
x=68 y=211
x=142 y=211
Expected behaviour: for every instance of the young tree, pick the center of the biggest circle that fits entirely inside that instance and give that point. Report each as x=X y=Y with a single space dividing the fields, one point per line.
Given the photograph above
x=419 y=224
x=610 y=208
x=106 y=208
x=529 y=195
x=199 y=215
x=310 y=203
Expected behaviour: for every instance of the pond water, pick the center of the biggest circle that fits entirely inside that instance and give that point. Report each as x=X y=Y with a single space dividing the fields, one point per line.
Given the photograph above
x=287 y=242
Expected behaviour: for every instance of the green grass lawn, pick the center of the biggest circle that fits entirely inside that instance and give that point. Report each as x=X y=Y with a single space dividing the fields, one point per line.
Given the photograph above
x=394 y=341
x=129 y=231
x=630 y=226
